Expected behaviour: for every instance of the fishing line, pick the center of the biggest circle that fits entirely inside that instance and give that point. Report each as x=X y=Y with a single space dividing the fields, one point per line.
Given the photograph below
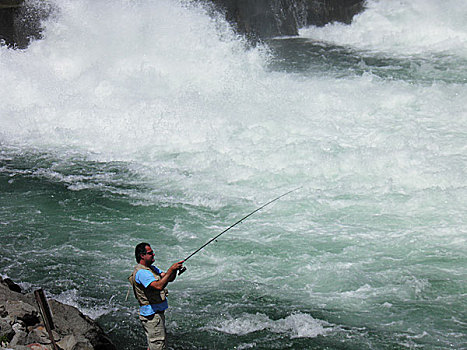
x=235 y=224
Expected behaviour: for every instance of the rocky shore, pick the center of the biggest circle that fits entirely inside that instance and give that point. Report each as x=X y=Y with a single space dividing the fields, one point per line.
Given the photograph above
x=22 y=327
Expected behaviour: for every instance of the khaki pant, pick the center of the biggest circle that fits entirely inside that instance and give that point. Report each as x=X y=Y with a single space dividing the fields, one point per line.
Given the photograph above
x=154 y=326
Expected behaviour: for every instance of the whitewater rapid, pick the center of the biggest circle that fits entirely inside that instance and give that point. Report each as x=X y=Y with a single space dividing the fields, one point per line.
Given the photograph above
x=153 y=121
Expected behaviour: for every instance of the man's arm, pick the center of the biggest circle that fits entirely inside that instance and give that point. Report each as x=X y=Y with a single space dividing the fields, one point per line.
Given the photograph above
x=167 y=277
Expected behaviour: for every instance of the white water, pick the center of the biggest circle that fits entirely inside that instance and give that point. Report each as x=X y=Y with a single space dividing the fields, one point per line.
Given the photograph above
x=161 y=78
x=205 y=127
x=298 y=325
x=402 y=27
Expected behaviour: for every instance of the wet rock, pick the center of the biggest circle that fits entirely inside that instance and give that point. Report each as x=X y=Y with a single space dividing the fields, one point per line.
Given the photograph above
x=322 y=12
x=263 y=19
x=259 y=19
x=20 y=21
x=12 y=285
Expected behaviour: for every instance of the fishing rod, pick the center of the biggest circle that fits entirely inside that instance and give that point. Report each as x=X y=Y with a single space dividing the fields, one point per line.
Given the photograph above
x=183 y=269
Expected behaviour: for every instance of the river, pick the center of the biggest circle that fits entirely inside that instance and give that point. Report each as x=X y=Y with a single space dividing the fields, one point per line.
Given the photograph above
x=153 y=121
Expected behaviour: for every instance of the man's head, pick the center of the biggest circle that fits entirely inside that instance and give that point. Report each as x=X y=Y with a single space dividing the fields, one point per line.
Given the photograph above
x=144 y=254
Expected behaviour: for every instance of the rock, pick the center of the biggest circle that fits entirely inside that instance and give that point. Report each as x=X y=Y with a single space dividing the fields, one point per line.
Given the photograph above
x=73 y=321
x=68 y=342
x=20 y=310
x=8 y=295
x=263 y=19
x=257 y=19
x=40 y=335
x=19 y=347
x=320 y=13
x=20 y=21
x=19 y=338
x=21 y=321
x=83 y=344
x=6 y=331
x=12 y=285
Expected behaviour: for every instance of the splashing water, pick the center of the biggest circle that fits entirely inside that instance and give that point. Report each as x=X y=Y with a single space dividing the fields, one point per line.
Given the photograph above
x=153 y=121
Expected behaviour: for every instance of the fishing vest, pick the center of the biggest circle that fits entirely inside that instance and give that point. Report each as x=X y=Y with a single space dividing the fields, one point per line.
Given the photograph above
x=147 y=296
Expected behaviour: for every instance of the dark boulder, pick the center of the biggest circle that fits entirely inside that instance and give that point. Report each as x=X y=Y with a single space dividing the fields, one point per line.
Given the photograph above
x=322 y=12
x=262 y=19
x=20 y=21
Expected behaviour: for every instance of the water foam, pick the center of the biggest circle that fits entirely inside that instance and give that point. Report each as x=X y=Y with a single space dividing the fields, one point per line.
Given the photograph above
x=402 y=27
x=154 y=87
x=86 y=306
x=134 y=76
x=203 y=129
x=297 y=325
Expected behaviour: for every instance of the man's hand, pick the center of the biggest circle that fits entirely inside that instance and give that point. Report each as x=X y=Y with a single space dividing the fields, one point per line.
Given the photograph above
x=177 y=266
x=167 y=277
x=173 y=270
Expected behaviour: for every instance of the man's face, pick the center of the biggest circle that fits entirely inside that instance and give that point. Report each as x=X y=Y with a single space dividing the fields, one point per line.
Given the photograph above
x=149 y=256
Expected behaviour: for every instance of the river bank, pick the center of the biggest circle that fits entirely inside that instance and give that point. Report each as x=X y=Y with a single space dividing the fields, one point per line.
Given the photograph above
x=22 y=327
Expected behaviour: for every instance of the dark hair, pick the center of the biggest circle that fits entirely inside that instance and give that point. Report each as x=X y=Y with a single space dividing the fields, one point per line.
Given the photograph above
x=140 y=250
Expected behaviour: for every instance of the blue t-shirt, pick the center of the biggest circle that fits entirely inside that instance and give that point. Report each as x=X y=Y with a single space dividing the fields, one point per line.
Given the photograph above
x=145 y=277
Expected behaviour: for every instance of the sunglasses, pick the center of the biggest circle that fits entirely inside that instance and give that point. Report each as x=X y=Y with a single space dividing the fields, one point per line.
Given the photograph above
x=150 y=253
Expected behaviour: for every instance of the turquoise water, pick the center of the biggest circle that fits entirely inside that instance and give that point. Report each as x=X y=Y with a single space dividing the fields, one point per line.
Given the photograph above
x=163 y=126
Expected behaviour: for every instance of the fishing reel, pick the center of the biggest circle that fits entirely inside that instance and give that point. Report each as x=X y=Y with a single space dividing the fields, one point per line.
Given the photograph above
x=182 y=270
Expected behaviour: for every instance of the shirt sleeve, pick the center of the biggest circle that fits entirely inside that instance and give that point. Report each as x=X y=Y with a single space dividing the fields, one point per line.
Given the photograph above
x=158 y=270
x=144 y=277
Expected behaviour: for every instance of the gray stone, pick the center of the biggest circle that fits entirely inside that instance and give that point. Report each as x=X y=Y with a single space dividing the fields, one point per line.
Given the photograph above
x=83 y=344
x=71 y=342
x=68 y=342
x=8 y=295
x=16 y=347
x=20 y=310
x=71 y=320
x=18 y=327
x=40 y=335
x=5 y=329
x=19 y=338
x=3 y=312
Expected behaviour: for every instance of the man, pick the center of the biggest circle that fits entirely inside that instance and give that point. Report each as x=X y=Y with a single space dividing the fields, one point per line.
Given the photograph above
x=149 y=284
